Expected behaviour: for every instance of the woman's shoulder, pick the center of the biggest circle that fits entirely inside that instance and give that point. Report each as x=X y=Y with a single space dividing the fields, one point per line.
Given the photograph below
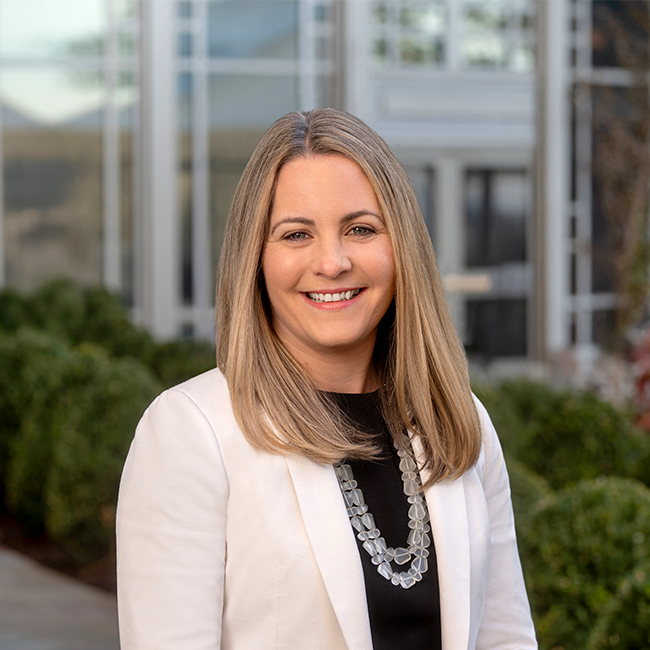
x=203 y=400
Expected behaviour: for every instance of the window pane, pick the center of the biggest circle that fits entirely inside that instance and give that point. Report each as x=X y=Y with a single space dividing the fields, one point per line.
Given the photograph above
x=496 y=328
x=37 y=28
x=52 y=146
x=496 y=208
x=417 y=49
x=426 y=17
x=253 y=29
x=498 y=34
x=620 y=33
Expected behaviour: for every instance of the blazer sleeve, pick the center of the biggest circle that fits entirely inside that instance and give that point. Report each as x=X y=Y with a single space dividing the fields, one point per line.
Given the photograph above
x=506 y=622
x=171 y=521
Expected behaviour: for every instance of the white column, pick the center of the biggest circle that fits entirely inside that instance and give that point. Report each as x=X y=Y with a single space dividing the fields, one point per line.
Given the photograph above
x=158 y=254
x=554 y=24
x=454 y=34
x=111 y=266
x=202 y=276
x=356 y=26
x=450 y=230
x=306 y=55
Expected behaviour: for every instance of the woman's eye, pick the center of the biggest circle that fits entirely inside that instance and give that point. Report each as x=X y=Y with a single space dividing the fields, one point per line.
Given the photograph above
x=361 y=230
x=296 y=236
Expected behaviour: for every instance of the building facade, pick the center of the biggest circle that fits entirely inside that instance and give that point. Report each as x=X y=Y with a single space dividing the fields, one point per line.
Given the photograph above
x=126 y=124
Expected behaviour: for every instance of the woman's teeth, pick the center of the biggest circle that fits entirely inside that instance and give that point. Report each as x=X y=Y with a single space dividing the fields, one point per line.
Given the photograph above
x=334 y=297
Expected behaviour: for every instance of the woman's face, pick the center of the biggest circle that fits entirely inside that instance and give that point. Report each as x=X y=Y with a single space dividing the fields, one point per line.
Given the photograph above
x=328 y=260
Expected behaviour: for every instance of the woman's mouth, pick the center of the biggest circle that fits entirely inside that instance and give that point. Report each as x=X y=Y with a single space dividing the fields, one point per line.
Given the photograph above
x=333 y=297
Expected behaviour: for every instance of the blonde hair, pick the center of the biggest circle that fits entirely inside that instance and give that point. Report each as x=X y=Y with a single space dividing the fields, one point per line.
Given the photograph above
x=421 y=365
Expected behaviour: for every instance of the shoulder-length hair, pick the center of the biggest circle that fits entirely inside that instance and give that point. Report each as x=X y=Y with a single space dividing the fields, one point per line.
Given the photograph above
x=421 y=365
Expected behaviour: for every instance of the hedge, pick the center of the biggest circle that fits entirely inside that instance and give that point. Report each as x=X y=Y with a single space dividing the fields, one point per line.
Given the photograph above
x=566 y=436
x=588 y=565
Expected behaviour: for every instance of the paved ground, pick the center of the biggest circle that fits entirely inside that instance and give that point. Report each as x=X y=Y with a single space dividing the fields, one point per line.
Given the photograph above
x=44 y=610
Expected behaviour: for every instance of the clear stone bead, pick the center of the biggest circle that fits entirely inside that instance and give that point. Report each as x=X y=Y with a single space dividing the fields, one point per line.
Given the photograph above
x=357 y=523
x=344 y=472
x=364 y=535
x=419 y=551
x=395 y=579
x=410 y=487
x=410 y=475
x=349 y=499
x=374 y=533
x=406 y=580
x=407 y=464
x=385 y=570
x=390 y=554
x=357 y=496
x=402 y=556
x=363 y=508
x=377 y=559
x=416 y=524
x=415 y=537
x=369 y=545
x=380 y=544
x=417 y=511
x=416 y=574
x=401 y=453
x=368 y=520
x=420 y=564
x=426 y=541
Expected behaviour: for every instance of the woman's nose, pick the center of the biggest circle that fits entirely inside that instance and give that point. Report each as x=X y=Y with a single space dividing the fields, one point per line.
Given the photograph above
x=331 y=259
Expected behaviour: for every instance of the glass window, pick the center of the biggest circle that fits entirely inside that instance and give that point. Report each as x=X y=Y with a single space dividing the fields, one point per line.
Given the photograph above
x=496 y=208
x=52 y=147
x=253 y=29
x=45 y=28
x=496 y=328
x=498 y=34
x=409 y=31
x=620 y=33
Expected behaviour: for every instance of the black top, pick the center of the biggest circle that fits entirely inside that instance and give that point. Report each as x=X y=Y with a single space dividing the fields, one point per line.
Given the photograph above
x=399 y=618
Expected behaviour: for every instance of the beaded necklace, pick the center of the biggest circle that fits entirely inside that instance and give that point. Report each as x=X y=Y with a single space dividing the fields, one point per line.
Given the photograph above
x=375 y=545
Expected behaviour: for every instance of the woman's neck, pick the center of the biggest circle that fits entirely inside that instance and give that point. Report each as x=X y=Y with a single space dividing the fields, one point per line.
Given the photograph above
x=340 y=371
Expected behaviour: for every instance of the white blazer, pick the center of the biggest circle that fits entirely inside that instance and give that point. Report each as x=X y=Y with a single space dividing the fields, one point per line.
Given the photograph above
x=222 y=545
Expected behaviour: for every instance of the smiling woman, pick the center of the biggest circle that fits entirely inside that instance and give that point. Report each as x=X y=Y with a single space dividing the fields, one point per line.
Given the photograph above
x=333 y=484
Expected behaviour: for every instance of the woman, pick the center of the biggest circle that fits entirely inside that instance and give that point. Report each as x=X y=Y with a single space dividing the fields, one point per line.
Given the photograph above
x=275 y=502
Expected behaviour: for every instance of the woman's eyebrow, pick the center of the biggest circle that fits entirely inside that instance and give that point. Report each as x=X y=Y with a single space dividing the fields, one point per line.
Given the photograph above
x=303 y=220
x=360 y=213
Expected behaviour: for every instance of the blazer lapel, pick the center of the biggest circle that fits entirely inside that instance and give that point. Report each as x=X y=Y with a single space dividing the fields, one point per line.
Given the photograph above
x=449 y=526
x=450 y=530
x=332 y=540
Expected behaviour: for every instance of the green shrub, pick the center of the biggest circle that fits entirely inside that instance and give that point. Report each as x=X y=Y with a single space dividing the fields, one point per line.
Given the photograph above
x=95 y=421
x=106 y=323
x=625 y=619
x=568 y=436
x=175 y=361
x=585 y=541
x=33 y=375
x=57 y=307
x=12 y=310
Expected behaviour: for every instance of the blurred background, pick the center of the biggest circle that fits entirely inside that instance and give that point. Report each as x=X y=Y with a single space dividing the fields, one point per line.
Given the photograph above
x=524 y=126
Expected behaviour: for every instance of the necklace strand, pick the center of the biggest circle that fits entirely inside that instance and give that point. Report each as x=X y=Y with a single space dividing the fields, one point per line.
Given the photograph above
x=375 y=545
